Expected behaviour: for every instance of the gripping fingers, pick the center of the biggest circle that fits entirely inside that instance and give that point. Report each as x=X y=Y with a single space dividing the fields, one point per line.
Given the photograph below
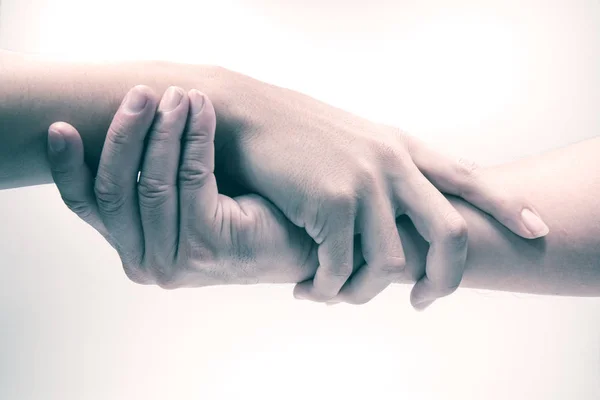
x=382 y=250
x=463 y=178
x=72 y=176
x=199 y=195
x=75 y=183
x=445 y=230
x=335 y=267
x=157 y=188
x=116 y=181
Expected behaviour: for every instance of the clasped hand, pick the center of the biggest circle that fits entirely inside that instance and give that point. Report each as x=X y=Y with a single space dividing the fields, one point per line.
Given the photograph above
x=173 y=228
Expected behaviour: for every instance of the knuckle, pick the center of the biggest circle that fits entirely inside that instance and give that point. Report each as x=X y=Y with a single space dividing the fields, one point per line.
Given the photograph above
x=81 y=208
x=466 y=168
x=153 y=192
x=368 y=175
x=387 y=153
x=110 y=195
x=119 y=133
x=343 y=200
x=160 y=134
x=455 y=229
x=200 y=137
x=467 y=171
x=194 y=174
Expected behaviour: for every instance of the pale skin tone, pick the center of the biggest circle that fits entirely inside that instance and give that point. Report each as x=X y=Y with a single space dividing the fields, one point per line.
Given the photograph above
x=90 y=103
x=276 y=250
x=563 y=263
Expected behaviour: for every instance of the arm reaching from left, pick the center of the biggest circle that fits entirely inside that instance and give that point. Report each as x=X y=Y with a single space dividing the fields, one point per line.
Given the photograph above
x=328 y=171
x=173 y=228
x=219 y=240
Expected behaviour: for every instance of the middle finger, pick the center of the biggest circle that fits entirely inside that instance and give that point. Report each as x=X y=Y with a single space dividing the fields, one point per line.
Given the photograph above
x=157 y=189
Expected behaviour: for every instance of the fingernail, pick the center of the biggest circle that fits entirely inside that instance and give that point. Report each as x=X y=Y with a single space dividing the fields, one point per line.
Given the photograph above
x=56 y=141
x=534 y=223
x=197 y=101
x=171 y=99
x=136 y=101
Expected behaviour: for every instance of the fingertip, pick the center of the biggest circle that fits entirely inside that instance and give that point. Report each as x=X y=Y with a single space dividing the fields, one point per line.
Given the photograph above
x=198 y=101
x=534 y=224
x=417 y=294
x=300 y=292
x=61 y=127
x=57 y=140
x=144 y=90
x=423 y=305
x=65 y=145
x=202 y=113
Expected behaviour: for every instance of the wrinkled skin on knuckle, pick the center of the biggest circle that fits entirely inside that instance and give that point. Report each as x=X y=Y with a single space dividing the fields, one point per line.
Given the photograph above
x=158 y=136
x=389 y=154
x=119 y=133
x=193 y=175
x=466 y=168
x=80 y=208
x=153 y=193
x=110 y=196
x=368 y=177
x=467 y=172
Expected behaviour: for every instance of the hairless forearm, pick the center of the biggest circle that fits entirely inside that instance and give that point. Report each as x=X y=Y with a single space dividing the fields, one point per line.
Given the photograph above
x=564 y=185
x=36 y=91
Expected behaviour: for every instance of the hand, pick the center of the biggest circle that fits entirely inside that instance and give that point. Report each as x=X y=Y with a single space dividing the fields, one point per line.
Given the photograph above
x=336 y=175
x=173 y=228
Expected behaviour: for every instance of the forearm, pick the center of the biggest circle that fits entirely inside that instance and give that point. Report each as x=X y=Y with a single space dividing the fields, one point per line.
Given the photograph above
x=35 y=92
x=564 y=185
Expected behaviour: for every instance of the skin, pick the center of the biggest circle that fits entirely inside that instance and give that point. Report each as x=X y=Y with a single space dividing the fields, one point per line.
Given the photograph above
x=373 y=173
x=247 y=240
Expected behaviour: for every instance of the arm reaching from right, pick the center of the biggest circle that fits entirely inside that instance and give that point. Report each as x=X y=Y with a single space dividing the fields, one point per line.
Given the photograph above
x=247 y=240
x=564 y=184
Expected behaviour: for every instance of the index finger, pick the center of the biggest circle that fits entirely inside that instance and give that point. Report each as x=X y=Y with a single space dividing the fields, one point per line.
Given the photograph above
x=445 y=230
x=116 y=181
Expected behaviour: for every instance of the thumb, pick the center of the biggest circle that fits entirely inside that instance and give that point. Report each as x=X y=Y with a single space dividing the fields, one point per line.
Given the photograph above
x=72 y=176
x=465 y=179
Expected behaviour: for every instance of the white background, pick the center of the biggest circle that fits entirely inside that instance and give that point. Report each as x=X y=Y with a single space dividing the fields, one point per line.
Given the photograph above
x=489 y=80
